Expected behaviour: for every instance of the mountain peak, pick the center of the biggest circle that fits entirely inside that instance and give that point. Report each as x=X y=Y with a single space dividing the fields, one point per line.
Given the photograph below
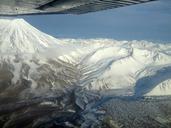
x=19 y=20
x=12 y=23
x=19 y=23
x=16 y=35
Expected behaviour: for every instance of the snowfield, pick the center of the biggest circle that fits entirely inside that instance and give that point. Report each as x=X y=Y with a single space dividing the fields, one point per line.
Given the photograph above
x=120 y=65
x=43 y=75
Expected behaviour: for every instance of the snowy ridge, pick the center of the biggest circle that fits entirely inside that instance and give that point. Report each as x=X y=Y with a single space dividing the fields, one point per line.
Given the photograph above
x=48 y=82
x=118 y=65
x=102 y=64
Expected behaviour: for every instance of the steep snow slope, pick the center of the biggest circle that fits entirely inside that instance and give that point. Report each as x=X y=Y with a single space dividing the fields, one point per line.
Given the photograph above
x=120 y=65
x=18 y=36
x=162 y=88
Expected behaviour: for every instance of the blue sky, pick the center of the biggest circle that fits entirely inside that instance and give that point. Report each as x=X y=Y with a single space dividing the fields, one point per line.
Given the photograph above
x=149 y=21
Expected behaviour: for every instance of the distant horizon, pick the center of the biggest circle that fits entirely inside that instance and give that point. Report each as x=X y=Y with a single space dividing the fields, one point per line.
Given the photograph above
x=148 y=21
x=91 y=38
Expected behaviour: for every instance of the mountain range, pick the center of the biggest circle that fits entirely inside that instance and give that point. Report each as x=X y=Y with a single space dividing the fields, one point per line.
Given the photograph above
x=43 y=75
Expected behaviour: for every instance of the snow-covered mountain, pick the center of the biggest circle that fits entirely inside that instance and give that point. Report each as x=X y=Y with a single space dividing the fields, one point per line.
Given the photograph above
x=19 y=36
x=103 y=64
x=29 y=60
x=36 y=67
x=125 y=67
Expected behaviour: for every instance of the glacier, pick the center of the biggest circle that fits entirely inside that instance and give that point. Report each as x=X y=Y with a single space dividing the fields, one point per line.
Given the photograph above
x=47 y=82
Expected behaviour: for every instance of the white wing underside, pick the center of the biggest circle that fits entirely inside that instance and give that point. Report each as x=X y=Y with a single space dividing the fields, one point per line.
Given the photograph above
x=36 y=7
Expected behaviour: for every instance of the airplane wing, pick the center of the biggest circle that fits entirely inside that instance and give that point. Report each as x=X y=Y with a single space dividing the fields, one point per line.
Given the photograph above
x=35 y=7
